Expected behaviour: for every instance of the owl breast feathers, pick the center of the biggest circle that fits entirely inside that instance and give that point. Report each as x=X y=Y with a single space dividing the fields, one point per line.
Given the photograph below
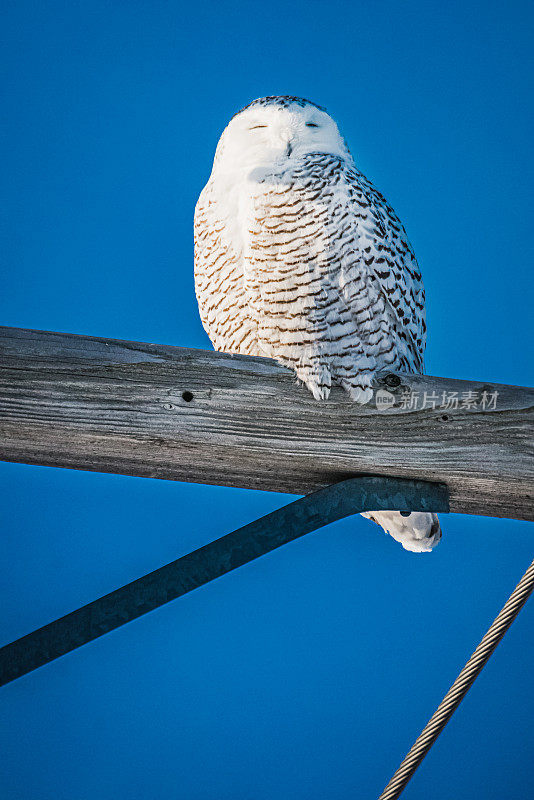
x=299 y=258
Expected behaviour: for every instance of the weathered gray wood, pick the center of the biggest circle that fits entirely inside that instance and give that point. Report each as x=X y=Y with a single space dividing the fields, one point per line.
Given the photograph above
x=112 y=406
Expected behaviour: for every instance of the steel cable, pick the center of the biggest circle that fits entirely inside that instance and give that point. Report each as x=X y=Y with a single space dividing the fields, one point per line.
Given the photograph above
x=460 y=687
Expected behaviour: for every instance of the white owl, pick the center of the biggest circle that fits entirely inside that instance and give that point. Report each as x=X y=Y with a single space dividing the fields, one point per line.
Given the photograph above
x=299 y=258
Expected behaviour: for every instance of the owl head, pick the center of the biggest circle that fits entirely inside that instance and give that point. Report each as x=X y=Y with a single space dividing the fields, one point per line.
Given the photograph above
x=273 y=130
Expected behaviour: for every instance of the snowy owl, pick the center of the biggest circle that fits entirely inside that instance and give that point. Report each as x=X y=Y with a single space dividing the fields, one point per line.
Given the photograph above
x=299 y=258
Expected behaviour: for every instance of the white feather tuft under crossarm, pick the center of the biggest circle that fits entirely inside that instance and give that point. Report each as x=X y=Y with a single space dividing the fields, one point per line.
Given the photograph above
x=418 y=532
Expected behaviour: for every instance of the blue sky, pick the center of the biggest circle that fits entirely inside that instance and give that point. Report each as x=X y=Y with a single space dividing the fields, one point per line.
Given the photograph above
x=307 y=674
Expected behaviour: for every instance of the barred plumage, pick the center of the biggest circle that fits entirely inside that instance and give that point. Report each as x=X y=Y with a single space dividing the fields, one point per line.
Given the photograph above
x=299 y=258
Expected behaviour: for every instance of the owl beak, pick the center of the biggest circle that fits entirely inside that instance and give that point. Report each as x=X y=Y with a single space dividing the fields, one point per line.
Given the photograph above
x=287 y=138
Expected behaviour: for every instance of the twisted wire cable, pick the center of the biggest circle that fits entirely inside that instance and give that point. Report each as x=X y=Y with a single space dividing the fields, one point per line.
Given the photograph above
x=460 y=687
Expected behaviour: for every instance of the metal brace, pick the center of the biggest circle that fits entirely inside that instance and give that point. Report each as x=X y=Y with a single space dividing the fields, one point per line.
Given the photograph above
x=215 y=559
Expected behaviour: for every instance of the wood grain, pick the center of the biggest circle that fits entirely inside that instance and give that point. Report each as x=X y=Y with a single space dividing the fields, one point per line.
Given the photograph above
x=192 y=415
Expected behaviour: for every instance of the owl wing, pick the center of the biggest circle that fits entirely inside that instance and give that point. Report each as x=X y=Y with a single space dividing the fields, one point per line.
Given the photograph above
x=386 y=251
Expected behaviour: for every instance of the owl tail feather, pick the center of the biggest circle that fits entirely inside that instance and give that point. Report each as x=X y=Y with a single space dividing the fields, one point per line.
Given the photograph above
x=418 y=532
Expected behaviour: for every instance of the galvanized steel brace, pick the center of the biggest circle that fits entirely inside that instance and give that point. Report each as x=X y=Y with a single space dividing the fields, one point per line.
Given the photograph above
x=215 y=559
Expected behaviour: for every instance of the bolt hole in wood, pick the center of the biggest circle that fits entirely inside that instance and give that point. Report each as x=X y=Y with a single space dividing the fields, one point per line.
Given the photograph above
x=187 y=396
x=445 y=417
x=392 y=380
